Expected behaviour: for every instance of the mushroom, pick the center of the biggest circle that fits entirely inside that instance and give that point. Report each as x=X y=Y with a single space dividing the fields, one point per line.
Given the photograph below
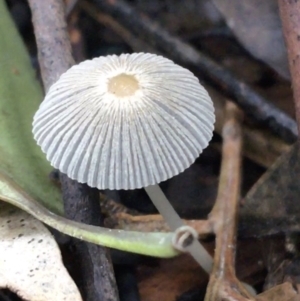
x=127 y=122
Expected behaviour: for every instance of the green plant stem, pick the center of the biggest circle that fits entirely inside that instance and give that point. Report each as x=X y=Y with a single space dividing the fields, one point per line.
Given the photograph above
x=152 y=244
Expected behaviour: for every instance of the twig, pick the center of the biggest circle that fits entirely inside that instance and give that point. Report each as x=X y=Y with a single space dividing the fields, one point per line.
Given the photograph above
x=290 y=17
x=121 y=217
x=223 y=284
x=153 y=223
x=135 y=43
x=81 y=202
x=76 y=38
x=254 y=104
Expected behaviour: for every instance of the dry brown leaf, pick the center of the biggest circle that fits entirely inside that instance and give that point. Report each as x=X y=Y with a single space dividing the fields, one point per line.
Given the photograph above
x=170 y=279
x=30 y=260
x=282 y=292
x=271 y=206
x=257 y=26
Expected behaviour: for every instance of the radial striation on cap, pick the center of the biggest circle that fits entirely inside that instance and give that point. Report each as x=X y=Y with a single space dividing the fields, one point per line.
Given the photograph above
x=124 y=122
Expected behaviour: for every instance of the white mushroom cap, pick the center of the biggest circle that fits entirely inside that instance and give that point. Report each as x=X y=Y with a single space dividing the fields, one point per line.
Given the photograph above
x=124 y=122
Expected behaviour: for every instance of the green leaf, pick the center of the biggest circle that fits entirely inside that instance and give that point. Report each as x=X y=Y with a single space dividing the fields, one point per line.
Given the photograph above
x=20 y=96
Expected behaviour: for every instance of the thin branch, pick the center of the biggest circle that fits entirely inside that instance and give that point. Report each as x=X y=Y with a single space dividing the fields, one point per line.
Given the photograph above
x=76 y=37
x=290 y=17
x=254 y=104
x=224 y=214
x=70 y=5
x=153 y=223
x=134 y=42
x=121 y=217
x=81 y=203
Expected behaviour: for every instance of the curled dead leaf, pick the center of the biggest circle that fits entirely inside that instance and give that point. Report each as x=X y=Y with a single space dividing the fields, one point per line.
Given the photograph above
x=30 y=260
x=256 y=24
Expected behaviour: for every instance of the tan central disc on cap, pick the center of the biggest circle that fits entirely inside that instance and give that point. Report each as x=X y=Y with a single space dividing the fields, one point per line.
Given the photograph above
x=123 y=85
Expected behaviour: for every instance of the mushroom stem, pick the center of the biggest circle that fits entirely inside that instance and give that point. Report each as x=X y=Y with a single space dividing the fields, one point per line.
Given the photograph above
x=164 y=207
x=172 y=218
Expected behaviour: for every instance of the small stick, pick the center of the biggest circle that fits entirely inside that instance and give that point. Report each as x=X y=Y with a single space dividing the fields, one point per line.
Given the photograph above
x=108 y=21
x=290 y=18
x=76 y=38
x=70 y=5
x=153 y=223
x=223 y=282
x=81 y=203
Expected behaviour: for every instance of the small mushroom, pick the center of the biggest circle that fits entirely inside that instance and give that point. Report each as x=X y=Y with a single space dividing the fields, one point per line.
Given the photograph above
x=126 y=122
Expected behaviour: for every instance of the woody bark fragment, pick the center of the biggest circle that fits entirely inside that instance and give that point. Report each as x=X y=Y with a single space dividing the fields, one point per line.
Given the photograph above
x=54 y=49
x=81 y=203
